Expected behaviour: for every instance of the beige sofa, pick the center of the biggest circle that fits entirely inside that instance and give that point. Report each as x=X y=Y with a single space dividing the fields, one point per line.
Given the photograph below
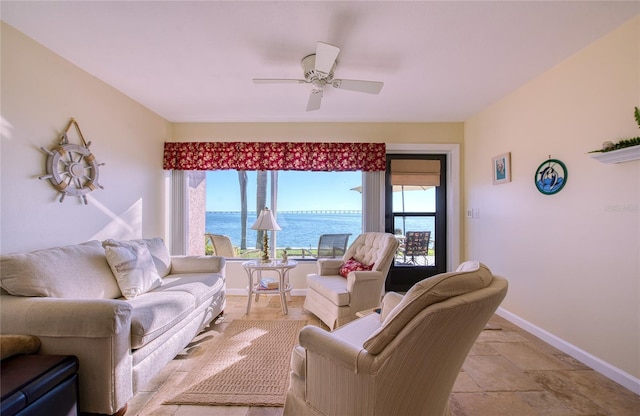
x=72 y=298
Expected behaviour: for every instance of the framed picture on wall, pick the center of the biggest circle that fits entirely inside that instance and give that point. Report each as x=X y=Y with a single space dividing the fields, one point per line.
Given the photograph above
x=501 y=168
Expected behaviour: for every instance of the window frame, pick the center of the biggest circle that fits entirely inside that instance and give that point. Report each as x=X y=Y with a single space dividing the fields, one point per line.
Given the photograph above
x=176 y=202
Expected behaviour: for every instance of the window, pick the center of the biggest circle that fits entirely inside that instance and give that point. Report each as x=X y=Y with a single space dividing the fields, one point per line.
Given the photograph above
x=188 y=194
x=416 y=213
x=305 y=204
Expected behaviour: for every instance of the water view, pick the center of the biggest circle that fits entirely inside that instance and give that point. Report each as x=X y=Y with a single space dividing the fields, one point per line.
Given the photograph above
x=300 y=229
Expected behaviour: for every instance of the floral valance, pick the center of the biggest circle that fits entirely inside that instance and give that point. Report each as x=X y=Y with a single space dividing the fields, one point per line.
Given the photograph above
x=325 y=157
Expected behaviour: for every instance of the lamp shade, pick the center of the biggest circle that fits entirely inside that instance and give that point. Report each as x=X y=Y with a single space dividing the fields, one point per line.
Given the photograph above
x=266 y=221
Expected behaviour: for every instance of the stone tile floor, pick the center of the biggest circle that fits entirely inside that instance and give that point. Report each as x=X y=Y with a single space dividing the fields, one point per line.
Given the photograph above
x=508 y=372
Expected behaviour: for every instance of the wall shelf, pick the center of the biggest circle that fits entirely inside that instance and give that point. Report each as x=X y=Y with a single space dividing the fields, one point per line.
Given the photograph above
x=618 y=156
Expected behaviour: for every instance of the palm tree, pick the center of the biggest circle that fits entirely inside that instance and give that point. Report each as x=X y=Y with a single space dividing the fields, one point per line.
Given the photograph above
x=261 y=201
x=242 y=179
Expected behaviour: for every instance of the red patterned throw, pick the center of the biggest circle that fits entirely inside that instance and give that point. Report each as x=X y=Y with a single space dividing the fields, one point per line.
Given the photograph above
x=353 y=265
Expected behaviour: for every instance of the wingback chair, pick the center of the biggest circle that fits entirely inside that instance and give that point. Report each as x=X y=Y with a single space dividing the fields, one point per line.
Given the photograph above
x=342 y=287
x=403 y=361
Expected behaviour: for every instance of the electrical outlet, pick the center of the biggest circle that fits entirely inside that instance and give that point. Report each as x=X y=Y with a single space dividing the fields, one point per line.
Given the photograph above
x=475 y=213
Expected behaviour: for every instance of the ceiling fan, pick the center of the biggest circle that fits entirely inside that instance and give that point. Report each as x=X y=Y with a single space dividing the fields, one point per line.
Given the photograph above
x=318 y=71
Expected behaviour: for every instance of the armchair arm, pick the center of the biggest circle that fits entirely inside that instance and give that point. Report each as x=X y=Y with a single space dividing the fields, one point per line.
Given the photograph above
x=337 y=375
x=360 y=277
x=197 y=264
x=365 y=289
x=56 y=317
x=326 y=344
x=329 y=267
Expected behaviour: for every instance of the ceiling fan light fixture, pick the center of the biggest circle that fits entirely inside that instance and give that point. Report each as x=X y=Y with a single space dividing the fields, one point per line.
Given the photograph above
x=319 y=83
x=318 y=71
x=310 y=71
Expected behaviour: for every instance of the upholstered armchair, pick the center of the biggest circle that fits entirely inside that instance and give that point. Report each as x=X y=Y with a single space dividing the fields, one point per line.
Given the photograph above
x=403 y=361
x=342 y=287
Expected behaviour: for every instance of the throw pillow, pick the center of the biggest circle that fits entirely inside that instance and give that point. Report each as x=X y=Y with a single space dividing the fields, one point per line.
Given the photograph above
x=353 y=265
x=78 y=271
x=133 y=267
x=159 y=253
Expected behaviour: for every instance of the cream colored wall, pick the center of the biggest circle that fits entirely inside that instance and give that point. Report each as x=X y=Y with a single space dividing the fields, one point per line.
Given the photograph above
x=40 y=93
x=572 y=259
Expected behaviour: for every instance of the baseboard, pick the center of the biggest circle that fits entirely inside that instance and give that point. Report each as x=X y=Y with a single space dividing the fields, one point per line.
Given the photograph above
x=237 y=292
x=624 y=379
x=243 y=292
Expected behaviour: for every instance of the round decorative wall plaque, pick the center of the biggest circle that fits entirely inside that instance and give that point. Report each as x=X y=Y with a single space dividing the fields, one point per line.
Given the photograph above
x=551 y=176
x=72 y=169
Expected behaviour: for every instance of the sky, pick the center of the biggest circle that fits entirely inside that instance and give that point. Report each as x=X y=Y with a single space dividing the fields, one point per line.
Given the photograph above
x=297 y=191
x=305 y=191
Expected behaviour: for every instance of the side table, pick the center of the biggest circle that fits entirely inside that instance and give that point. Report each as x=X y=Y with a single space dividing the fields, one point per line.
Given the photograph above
x=254 y=268
x=39 y=385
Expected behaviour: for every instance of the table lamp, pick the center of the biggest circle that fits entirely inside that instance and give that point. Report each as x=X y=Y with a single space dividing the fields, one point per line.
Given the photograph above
x=266 y=222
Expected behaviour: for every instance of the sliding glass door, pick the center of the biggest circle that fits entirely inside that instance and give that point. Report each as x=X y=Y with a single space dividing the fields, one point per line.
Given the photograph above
x=415 y=212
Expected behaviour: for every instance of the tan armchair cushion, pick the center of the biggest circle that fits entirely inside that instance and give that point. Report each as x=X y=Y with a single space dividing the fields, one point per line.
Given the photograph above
x=333 y=288
x=473 y=276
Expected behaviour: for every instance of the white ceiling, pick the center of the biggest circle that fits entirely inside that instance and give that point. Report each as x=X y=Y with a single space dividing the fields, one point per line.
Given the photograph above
x=440 y=61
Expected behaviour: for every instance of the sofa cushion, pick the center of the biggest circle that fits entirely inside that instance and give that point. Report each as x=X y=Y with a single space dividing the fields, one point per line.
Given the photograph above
x=334 y=288
x=472 y=276
x=155 y=312
x=202 y=286
x=159 y=253
x=133 y=267
x=353 y=265
x=77 y=271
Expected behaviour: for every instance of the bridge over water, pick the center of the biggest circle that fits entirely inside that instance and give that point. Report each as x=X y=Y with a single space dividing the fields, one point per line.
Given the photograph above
x=319 y=211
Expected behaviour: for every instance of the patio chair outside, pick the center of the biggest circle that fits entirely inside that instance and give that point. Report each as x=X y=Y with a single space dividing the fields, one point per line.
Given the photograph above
x=332 y=245
x=222 y=245
x=416 y=246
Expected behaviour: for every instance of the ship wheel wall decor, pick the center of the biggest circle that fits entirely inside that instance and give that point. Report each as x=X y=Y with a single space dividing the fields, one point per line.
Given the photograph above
x=72 y=169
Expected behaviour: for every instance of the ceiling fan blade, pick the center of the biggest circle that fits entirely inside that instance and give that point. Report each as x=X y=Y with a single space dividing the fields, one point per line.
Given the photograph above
x=278 y=81
x=326 y=56
x=314 y=100
x=370 y=87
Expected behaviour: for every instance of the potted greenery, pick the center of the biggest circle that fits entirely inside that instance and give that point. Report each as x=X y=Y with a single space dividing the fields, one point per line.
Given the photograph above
x=615 y=152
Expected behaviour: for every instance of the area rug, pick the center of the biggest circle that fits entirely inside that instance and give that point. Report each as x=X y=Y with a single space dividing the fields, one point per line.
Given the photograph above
x=248 y=365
